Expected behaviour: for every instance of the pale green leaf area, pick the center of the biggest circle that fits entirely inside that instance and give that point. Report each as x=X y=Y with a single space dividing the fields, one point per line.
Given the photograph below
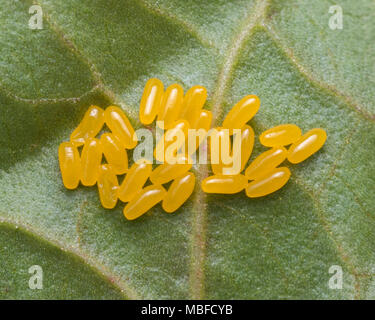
x=64 y=275
x=216 y=246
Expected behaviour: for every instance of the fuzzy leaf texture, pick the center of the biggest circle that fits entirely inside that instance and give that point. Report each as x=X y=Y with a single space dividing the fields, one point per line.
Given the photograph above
x=216 y=246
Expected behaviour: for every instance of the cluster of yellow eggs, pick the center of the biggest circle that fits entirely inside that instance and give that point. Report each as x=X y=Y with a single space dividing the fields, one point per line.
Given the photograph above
x=177 y=112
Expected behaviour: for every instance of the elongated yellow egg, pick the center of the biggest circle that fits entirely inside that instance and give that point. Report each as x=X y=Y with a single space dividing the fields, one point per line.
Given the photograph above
x=281 y=135
x=171 y=105
x=120 y=126
x=107 y=186
x=219 y=142
x=172 y=140
x=167 y=172
x=134 y=180
x=307 y=145
x=151 y=101
x=247 y=144
x=203 y=122
x=70 y=164
x=143 y=201
x=114 y=152
x=91 y=160
x=268 y=183
x=192 y=104
x=89 y=127
x=266 y=162
x=242 y=112
x=179 y=191
x=224 y=184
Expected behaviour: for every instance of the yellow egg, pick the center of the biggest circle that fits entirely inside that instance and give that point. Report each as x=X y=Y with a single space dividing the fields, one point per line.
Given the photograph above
x=89 y=127
x=280 y=135
x=91 y=160
x=134 y=180
x=179 y=191
x=143 y=201
x=107 y=186
x=265 y=162
x=70 y=164
x=307 y=145
x=151 y=101
x=224 y=184
x=192 y=104
x=114 y=152
x=268 y=183
x=242 y=112
x=168 y=171
x=171 y=105
x=120 y=126
x=173 y=139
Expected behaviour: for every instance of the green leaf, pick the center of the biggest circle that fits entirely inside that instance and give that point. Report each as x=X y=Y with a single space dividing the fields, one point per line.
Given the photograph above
x=216 y=246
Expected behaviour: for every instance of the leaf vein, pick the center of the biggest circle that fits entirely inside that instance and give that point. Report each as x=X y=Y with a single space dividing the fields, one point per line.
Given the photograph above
x=231 y=56
x=348 y=101
x=199 y=219
x=189 y=28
